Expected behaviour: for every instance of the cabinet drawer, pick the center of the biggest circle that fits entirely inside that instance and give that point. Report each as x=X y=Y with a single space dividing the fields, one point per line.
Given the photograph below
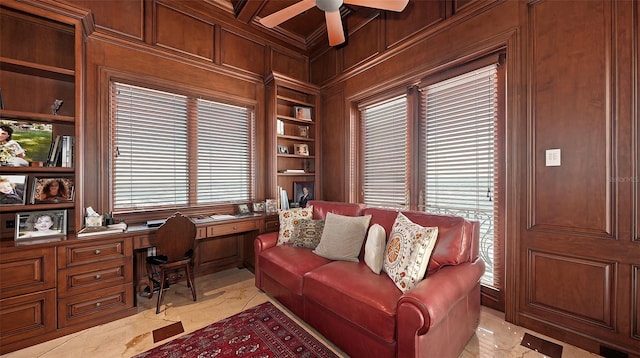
x=271 y=225
x=27 y=316
x=89 y=252
x=27 y=271
x=231 y=228
x=88 y=306
x=90 y=277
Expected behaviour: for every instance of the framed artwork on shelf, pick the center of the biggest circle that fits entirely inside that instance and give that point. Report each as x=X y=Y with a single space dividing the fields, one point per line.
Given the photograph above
x=52 y=190
x=301 y=112
x=283 y=149
x=303 y=131
x=27 y=143
x=301 y=149
x=303 y=192
x=258 y=207
x=13 y=189
x=36 y=224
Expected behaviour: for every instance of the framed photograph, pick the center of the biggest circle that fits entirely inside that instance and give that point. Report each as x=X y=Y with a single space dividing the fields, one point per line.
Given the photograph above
x=37 y=224
x=303 y=192
x=30 y=139
x=303 y=131
x=283 y=149
x=271 y=206
x=13 y=189
x=259 y=207
x=243 y=209
x=301 y=112
x=52 y=190
x=301 y=149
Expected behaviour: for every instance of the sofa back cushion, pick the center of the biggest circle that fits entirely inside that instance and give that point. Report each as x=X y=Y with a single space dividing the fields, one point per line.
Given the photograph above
x=455 y=234
x=321 y=208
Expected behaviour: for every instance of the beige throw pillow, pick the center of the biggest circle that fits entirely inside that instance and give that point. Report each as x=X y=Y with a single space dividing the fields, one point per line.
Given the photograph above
x=289 y=220
x=374 y=248
x=342 y=237
x=408 y=252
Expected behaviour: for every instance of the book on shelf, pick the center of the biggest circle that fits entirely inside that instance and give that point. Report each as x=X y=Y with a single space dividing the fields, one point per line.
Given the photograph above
x=280 y=127
x=61 y=152
x=102 y=230
x=290 y=171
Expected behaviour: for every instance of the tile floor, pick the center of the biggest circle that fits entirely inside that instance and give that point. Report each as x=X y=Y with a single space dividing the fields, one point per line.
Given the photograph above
x=228 y=292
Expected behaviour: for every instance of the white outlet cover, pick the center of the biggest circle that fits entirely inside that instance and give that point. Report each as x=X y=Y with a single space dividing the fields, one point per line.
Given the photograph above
x=553 y=157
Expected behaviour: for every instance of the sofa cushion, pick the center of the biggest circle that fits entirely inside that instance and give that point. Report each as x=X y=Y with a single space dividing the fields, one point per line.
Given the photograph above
x=352 y=291
x=307 y=234
x=287 y=264
x=289 y=220
x=321 y=208
x=408 y=252
x=454 y=234
x=374 y=248
x=342 y=237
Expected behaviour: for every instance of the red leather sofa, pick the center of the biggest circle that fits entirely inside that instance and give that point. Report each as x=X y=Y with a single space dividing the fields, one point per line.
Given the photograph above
x=365 y=314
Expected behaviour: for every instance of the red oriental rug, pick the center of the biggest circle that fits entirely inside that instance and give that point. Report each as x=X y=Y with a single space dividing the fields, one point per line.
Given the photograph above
x=261 y=331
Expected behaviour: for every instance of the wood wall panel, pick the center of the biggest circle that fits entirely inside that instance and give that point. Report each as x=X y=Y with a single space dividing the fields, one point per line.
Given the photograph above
x=184 y=33
x=577 y=288
x=335 y=142
x=107 y=14
x=417 y=16
x=572 y=114
x=292 y=64
x=363 y=43
x=241 y=52
x=324 y=66
x=635 y=288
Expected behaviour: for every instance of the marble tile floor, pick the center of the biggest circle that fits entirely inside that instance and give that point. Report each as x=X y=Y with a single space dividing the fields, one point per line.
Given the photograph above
x=228 y=292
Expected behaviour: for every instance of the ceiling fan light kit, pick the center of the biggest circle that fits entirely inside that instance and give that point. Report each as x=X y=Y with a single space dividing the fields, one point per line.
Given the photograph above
x=331 y=9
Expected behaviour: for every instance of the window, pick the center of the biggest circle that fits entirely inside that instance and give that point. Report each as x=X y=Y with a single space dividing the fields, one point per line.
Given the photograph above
x=161 y=158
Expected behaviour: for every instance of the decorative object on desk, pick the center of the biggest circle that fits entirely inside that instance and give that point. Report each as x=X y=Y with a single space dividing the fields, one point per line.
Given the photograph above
x=52 y=190
x=303 y=131
x=92 y=218
x=258 y=207
x=303 y=192
x=283 y=149
x=13 y=190
x=271 y=206
x=55 y=107
x=50 y=223
x=301 y=112
x=301 y=149
x=260 y=331
x=102 y=230
x=243 y=209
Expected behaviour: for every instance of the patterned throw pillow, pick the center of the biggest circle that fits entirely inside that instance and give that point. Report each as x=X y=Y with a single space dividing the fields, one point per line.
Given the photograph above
x=307 y=234
x=289 y=219
x=408 y=252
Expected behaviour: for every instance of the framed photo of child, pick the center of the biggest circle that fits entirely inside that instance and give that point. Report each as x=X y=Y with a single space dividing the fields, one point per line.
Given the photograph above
x=52 y=190
x=13 y=189
x=36 y=224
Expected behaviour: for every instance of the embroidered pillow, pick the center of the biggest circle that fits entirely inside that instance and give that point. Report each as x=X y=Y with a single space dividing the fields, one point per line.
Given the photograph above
x=408 y=252
x=289 y=220
x=342 y=237
x=307 y=234
x=374 y=248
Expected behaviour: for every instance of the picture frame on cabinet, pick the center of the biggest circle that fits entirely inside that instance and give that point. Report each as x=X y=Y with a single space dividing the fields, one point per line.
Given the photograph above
x=301 y=149
x=243 y=209
x=271 y=206
x=283 y=149
x=302 y=112
x=35 y=138
x=59 y=189
x=13 y=190
x=39 y=224
x=259 y=207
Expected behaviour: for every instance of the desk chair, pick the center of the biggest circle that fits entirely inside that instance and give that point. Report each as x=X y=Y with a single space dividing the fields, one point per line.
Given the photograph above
x=175 y=240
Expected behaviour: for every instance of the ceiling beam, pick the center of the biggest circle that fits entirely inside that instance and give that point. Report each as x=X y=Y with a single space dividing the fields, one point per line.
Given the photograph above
x=246 y=10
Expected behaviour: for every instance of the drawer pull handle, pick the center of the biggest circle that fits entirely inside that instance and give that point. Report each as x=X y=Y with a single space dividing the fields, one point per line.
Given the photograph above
x=235 y=228
x=97 y=304
x=98 y=252
x=98 y=277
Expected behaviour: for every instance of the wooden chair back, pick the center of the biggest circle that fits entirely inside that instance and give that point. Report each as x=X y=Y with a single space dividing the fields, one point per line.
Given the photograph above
x=176 y=238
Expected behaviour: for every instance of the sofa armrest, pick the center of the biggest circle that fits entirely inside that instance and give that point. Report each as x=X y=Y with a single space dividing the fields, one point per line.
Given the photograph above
x=429 y=302
x=261 y=243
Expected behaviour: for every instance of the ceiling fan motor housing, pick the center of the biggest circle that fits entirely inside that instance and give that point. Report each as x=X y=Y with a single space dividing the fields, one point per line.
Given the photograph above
x=329 y=5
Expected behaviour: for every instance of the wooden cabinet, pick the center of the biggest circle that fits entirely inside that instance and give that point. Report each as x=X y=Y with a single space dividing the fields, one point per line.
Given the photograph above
x=40 y=63
x=293 y=120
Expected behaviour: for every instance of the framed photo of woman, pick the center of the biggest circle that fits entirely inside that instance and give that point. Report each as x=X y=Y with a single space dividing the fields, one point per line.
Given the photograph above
x=37 y=224
x=52 y=190
x=13 y=189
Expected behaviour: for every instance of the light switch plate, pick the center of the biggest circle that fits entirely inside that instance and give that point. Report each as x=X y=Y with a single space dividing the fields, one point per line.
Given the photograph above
x=553 y=157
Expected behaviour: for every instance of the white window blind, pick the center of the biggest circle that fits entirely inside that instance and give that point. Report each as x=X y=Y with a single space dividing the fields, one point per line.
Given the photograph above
x=460 y=116
x=224 y=152
x=150 y=161
x=384 y=128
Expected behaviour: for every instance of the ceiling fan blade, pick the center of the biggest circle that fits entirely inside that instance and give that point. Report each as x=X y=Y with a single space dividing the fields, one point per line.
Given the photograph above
x=334 y=27
x=393 y=5
x=285 y=14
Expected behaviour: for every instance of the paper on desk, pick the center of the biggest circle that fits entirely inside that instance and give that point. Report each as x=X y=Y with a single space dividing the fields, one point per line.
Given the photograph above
x=222 y=216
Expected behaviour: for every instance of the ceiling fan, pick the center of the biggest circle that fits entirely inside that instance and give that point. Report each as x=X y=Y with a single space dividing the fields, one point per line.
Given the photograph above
x=332 y=13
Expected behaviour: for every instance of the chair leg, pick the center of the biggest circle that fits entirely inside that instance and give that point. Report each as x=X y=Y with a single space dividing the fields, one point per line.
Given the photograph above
x=161 y=292
x=190 y=282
